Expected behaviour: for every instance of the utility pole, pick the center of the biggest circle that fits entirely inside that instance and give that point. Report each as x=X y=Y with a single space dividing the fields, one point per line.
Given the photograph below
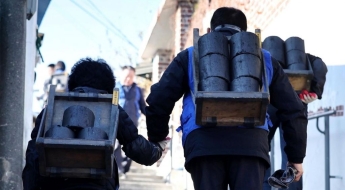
x=12 y=83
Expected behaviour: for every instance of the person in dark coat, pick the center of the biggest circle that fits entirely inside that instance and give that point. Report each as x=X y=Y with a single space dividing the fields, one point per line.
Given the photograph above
x=316 y=89
x=131 y=99
x=222 y=157
x=95 y=76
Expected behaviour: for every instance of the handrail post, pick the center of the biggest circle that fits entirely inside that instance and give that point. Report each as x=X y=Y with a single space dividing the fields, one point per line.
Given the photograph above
x=327 y=160
x=326 y=115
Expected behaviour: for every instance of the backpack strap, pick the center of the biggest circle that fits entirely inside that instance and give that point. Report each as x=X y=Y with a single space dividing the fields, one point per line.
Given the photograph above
x=190 y=68
x=268 y=69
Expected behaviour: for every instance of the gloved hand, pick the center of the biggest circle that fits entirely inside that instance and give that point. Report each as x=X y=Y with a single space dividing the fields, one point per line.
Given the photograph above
x=307 y=97
x=163 y=144
x=299 y=170
x=282 y=178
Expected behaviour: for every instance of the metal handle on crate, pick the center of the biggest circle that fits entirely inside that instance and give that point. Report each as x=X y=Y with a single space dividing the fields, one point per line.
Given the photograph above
x=115 y=100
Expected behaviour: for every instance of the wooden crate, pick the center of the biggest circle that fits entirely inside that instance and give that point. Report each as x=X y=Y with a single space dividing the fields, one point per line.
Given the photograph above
x=300 y=79
x=227 y=108
x=78 y=157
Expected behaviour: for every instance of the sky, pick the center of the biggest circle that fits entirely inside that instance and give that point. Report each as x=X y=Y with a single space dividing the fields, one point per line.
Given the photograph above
x=109 y=29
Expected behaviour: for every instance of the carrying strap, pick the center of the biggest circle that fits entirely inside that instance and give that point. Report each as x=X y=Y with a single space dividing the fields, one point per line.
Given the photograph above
x=268 y=69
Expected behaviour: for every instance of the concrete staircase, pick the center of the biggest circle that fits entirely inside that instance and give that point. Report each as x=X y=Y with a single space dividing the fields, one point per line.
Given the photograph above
x=143 y=178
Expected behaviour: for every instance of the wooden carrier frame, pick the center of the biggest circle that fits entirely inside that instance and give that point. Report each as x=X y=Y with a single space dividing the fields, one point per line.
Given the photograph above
x=78 y=157
x=300 y=79
x=227 y=108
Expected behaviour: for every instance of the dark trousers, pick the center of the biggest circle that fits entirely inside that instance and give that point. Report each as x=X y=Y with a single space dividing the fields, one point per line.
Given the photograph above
x=123 y=162
x=222 y=171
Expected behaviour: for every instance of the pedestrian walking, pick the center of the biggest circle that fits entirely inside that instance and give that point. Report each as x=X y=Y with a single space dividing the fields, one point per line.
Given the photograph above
x=223 y=157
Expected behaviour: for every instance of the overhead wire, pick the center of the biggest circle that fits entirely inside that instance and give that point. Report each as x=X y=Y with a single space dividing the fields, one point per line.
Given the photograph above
x=111 y=23
x=128 y=55
x=76 y=24
x=118 y=32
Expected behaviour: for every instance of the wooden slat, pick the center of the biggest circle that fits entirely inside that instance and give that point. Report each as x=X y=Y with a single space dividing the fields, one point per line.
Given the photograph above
x=300 y=79
x=231 y=111
x=75 y=158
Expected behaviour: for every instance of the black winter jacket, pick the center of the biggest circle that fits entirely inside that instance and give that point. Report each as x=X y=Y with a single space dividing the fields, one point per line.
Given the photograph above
x=227 y=140
x=317 y=84
x=135 y=146
x=319 y=70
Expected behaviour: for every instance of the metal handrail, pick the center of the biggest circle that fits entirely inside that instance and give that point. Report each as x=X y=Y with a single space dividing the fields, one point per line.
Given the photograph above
x=326 y=115
x=322 y=114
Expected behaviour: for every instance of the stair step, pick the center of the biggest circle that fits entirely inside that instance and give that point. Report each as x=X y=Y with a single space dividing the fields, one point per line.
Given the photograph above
x=134 y=185
x=144 y=179
x=131 y=175
x=143 y=171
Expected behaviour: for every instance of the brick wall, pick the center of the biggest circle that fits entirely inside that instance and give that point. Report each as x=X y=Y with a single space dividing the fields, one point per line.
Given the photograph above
x=186 y=10
x=164 y=59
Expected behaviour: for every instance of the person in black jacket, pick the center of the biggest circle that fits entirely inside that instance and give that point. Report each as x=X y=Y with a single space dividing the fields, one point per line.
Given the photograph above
x=218 y=157
x=316 y=89
x=95 y=76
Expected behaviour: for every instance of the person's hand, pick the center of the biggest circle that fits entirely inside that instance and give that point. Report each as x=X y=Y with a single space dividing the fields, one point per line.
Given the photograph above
x=307 y=97
x=163 y=144
x=299 y=169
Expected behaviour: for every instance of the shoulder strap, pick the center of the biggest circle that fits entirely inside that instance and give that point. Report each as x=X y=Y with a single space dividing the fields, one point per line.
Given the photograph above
x=268 y=65
x=190 y=68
